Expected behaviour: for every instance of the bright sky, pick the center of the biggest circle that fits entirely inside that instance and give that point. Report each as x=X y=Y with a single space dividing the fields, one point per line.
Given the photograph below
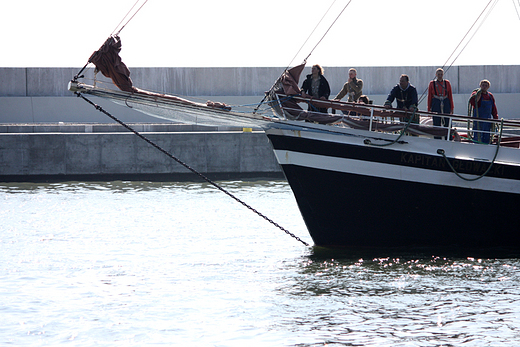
x=210 y=33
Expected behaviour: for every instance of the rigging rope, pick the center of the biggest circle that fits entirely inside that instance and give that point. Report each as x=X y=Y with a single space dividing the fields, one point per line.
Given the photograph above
x=423 y=95
x=308 y=37
x=470 y=108
x=467 y=33
x=516 y=8
x=474 y=33
x=78 y=75
x=117 y=34
x=99 y=108
x=330 y=27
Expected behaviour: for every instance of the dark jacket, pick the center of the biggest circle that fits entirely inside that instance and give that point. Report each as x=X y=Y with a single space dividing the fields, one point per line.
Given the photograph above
x=405 y=98
x=323 y=90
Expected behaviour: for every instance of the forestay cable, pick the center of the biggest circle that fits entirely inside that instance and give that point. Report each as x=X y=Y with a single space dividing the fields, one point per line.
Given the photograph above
x=78 y=75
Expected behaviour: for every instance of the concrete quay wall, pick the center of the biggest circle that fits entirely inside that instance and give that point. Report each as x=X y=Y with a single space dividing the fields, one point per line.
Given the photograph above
x=41 y=95
x=253 y=81
x=88 y=152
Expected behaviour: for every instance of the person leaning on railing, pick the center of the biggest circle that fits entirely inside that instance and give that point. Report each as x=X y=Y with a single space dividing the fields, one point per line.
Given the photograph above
x=406 y=95
x=353 y=87
x=485 y=108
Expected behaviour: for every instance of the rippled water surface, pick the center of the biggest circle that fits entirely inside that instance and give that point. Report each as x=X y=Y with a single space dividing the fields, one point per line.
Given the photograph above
x=140 y=263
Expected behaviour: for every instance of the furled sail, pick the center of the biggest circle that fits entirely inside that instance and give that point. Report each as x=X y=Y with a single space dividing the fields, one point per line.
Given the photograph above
x=164 y=106
x=109 y=63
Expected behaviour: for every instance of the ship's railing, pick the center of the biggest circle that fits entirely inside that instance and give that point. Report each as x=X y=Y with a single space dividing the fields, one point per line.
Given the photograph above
x=378 y=118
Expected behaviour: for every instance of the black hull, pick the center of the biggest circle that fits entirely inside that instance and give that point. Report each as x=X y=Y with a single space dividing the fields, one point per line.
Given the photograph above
x=360 y=211
x=356 y=195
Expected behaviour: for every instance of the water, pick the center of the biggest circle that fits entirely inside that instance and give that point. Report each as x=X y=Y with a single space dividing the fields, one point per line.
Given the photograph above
x=140 y=263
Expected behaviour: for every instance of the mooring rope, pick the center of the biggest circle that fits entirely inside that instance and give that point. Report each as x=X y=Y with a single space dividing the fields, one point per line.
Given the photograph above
x=99 y=108
x=403 y=131
x=443 y=153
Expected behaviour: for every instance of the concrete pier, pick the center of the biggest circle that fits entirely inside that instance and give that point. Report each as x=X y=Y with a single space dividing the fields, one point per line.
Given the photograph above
x=46 y=133
x=91 y=152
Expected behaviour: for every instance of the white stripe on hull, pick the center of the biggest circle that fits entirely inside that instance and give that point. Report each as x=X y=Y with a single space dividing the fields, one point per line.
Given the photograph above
x=458 y=150
x=397 y=172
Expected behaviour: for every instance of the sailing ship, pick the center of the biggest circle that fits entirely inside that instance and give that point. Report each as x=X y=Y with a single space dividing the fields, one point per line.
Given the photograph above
x=365 y=176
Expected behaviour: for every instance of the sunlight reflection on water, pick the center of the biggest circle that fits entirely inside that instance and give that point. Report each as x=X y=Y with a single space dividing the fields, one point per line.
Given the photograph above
x=136 y=263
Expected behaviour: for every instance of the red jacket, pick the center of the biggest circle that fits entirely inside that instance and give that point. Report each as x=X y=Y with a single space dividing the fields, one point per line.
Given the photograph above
x=443 y=89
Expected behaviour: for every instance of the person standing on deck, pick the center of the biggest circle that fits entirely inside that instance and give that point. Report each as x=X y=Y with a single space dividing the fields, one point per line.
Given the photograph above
x=483 y=104
x=440 y=98
x=353 y=87
x=406 y=95
x=316 y=86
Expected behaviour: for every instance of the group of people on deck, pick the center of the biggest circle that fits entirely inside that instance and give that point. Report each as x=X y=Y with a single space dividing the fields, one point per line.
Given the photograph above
x=440 y=98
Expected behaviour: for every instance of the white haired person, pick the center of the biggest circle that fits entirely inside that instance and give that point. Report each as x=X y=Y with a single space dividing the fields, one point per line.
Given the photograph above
x=484 y=107
x=353 y=87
